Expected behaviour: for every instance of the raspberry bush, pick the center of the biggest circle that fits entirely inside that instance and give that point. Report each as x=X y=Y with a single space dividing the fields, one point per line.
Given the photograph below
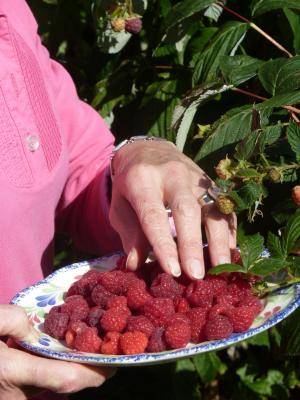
x=222 y=80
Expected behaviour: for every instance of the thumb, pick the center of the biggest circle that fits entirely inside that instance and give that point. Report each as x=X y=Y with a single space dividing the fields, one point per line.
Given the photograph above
x=14 y=322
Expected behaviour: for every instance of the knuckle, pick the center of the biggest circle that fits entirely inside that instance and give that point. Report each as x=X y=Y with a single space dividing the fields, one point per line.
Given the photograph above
x=177 y=169
x=186 y=206
x=151 y=215
x=191 y=244
x=70 y=383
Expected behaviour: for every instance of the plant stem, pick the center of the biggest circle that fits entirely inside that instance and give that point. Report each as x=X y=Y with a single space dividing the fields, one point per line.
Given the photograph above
x=259 y=30
x=281 y=285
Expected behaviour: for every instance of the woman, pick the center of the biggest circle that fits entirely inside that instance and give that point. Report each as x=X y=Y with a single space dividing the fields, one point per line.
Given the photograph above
x=54 y=168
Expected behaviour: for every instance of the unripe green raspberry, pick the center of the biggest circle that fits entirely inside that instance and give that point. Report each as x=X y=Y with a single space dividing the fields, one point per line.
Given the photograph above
x=224 y=168
x=118 y=24
x=275 y=175
x=296 y=195
x=225 y=204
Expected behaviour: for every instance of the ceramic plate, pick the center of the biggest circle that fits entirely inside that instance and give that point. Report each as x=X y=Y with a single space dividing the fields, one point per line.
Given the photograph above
x=39 y=298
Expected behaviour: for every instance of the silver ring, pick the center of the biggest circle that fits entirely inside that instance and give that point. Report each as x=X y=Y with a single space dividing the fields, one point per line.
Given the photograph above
x=205 y=200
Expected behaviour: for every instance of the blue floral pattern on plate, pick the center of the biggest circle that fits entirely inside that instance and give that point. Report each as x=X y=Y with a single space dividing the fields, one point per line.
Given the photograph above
x=39 y=298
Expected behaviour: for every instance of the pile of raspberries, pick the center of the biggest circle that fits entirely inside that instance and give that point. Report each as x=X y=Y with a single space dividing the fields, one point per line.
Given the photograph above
x=123 y=312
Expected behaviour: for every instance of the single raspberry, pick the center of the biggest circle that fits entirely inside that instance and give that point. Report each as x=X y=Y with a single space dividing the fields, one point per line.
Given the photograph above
x=110 y=343
x=113 y=281
x=218 y=327
x=236 y=257
x=56 y=324
x=94 y=316
x=200 y=294
x=177 y=335
x=275 y=174
x=227 y=299
x=164 y=285
x=85 y=284
x=158 y=310
x=76 y=307
x=252 y=301
x=157 y=341
x=73 y=329
x=181 y=305
x=114 y=319
x=133 y=342
x=117 y=302
x=225 y=204
x=87 y=340
x=296 y=195
x=198 y=317
x=133 y=25
x=225 y=168
x=241 y=317
x=140 y=323
x=130 y=279
x=218 y=284
x=220 y=309
x=178 y=318
x=137 y=296
x=239 y=289
x=100 y=295
x=118 y=24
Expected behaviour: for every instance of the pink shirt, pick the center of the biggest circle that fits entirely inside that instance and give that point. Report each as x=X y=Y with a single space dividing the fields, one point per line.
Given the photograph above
x=54 y=152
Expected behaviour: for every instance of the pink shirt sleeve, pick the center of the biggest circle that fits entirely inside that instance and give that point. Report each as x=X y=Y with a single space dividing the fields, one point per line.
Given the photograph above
x=84 y=206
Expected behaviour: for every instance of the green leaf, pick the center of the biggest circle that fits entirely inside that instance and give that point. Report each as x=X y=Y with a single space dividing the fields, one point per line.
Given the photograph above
x=263 y=6
x=225 y=42
x=251 y=192
x=267 y=266
x=247 y=173
x=251 y=248
x=280 y=75
x=261 y=385
x=184 y=10
x=246 y=148
x=294 y=20
x=239 y=69
x=239 y=201
x=270 y=134
x=291 y=233
x=209 y=366
x=293 y=135
x=290 y=334
x=280 y=100
x=262 y=339
x=274 y=246
x=225 y=268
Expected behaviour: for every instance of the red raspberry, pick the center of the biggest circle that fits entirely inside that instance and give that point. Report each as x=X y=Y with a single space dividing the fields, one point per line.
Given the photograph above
x=181 y=305
x=200 y=294
x=296 y=195
x=227 y=299
x=133 y=342
x=220 y=309
x=198 y=317
x=130 y=279
x=252 y=301
x=56 y=324
x=87 y=340
x=218 y=285
x=94 y=316
x=100 y=296
x=238 y=289
x=114 y=320
x=157 y=341
x=236 y=257
x=140 y=323
x=164 y=285
x=113 y=281
x=121 y=264
x=178 y=335
x=218 y=327
x=178 y=318
x=158 y=310
x=137 y=296
x=110 y=343
x=241 y=318
x=76 y=307
x=117 y=302
x=73 y=329
x=85 y=284
x=133 y=25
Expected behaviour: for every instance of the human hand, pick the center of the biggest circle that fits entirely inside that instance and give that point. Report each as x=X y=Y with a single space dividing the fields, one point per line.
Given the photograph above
x=20 y=371
x=150 y=176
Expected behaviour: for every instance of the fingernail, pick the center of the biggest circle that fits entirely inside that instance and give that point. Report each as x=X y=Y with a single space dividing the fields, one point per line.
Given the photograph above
x=196 y=269
x=132 y=259
x=174 y=267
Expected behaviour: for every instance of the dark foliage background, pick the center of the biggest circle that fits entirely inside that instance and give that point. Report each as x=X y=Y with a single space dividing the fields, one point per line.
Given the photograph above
x=189 y=66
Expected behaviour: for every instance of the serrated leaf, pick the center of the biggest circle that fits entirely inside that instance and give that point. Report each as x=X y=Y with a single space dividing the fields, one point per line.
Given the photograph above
x=291 y=233
x=280 y=100
x=247 y=173
x=208 y=366
x=246 y=148
x=290 y=334
x=184 y=10
x=263 y=6
x=294 y=21
x=251 y=248
x=280 y=75
x=240 y=68
x=269 y=135
x=207 y=63
x=251 y=192
x=225 y=268
x=293 y=135
x=262 y=339
x=261 y=385
x=267 y=266
x=274 y=246
x=239 y=201
x=230 y=128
